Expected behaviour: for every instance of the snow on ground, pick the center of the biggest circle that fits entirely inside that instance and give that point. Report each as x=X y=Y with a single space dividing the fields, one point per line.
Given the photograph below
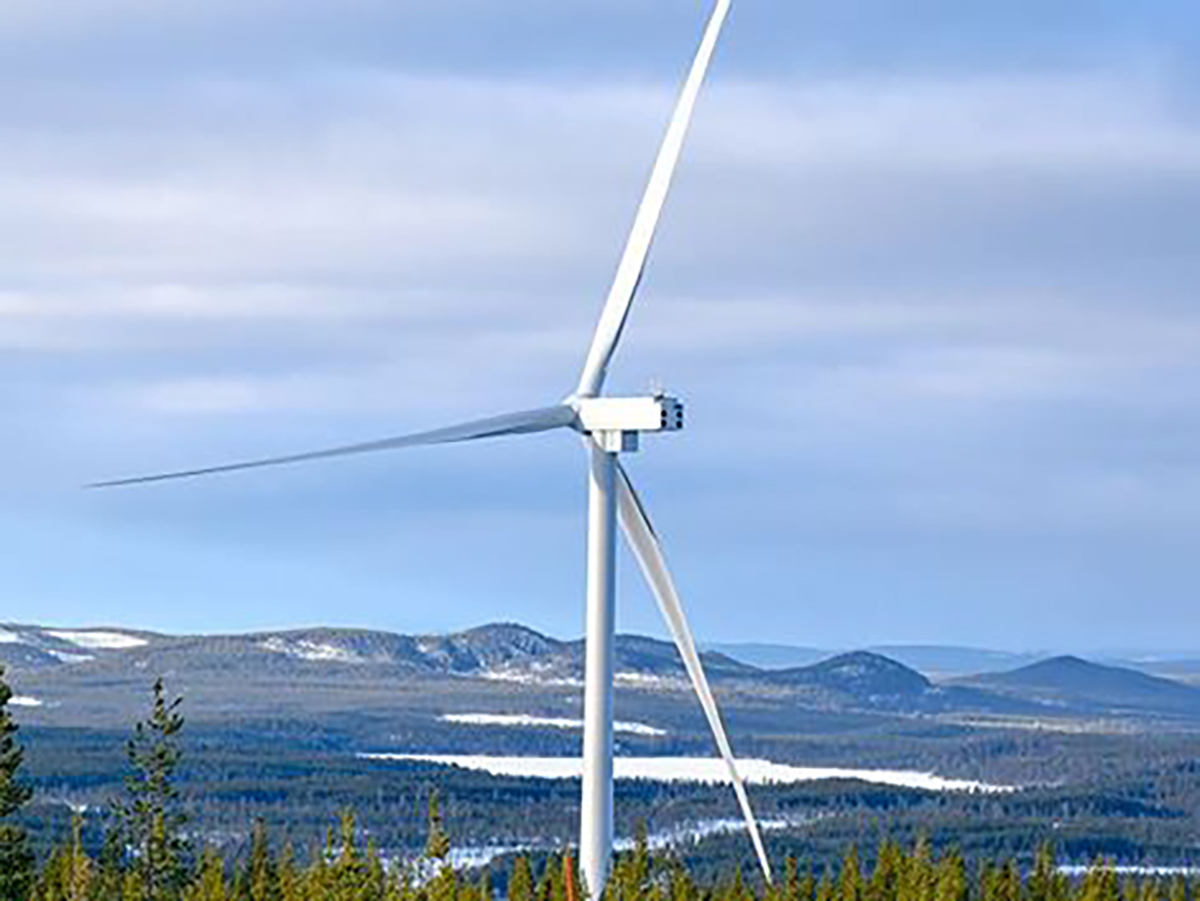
x=527 y=678
x=69 y=657
x=549 y=722
x=690 y=769
x=649 y=682
x=311 y=650
x=24 y=701
x=7 y=637
x=99 y=640
x=676 y=836
x=694 y=833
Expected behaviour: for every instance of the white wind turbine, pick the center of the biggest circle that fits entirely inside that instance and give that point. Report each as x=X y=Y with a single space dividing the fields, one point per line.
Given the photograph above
x=609 y=426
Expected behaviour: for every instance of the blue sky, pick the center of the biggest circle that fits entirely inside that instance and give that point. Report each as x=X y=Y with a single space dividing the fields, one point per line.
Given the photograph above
x=927 y=283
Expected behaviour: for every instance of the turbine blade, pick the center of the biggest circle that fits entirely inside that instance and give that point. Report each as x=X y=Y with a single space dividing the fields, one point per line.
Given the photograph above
x=525 y=422
x=633 y=263
x=648 y=550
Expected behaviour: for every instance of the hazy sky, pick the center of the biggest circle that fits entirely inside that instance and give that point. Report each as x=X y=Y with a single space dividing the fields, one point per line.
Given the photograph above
x=928 y=284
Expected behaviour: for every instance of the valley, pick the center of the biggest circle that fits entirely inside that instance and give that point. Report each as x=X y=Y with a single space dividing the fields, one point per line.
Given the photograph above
x=294 y=726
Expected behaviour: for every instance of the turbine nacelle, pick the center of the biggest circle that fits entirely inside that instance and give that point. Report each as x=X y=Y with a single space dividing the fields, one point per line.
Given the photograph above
x=616 y=422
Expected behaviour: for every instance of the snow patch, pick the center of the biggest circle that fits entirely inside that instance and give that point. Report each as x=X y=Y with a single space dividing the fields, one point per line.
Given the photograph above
x=694 y=833
x=311 y=650
x=99 y=640
x=692 y=769
x=527 y=678
x=24 y=701
x=7 y=637
x=69 y=657
x=550 y=722
x=649 y=682
x=674 y=836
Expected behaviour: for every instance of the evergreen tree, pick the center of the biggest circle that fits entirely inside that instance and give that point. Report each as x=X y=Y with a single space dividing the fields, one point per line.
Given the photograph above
x=520 y=880
x=951 y=878
x=16 y=860
x=884 y=883
x=68 y=873
x=825 y=890
x=437 y=844
x=150 y=817
x=349 y=876
x=110 y=874
x=1045 y=882
x=850 y=887
x=791 y=879
x=260 y=879
x=209 y=882
x=289 y=878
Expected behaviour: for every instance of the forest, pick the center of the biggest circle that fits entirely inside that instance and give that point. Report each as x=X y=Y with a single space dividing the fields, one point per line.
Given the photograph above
x=144 y=847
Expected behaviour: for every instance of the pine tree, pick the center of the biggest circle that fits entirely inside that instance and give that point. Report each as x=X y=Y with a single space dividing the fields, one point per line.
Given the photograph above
x=884 y=884
x=791 y=879
x=349 y=874
x=437 y=844
x=1045 y=883
x=825 y=891
x=111 y=870
x=520 y=880
x=951 y=878
x=289 y=878
x=16 y=860
x=209 y=883
x=850 y=887
x=260 y=877
x=150 y=817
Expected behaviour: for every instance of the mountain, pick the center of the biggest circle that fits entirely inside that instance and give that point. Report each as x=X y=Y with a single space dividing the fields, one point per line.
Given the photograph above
x=935 y=661
x=1072 y=682
x=499 y=652
x=862 y=677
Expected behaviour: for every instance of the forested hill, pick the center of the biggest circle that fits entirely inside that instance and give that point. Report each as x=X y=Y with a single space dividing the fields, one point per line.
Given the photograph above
x=69 y=676
x=1080 y=684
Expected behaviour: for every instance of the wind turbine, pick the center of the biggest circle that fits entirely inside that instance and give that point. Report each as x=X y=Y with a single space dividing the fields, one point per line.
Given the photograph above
x=610 y=426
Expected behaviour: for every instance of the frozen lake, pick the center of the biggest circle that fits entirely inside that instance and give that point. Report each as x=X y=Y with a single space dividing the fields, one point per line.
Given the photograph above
x=691 y=769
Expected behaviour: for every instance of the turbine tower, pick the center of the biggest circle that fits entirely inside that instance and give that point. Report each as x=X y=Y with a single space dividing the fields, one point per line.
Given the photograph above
x=609 y=426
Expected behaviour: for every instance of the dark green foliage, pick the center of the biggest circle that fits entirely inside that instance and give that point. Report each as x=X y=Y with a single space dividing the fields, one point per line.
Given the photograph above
x=16 y=860
x=151 y=822
x=437 y=845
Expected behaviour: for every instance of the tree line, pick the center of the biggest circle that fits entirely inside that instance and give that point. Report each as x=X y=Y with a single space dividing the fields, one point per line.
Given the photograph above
x=149 y=854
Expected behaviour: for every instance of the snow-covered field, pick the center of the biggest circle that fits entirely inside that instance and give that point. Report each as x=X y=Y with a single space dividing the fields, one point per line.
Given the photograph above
x=99 y=640
x=548 y=722
x=691 y=769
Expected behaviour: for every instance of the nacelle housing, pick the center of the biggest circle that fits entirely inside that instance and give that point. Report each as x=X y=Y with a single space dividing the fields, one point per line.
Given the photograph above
x=630 y=414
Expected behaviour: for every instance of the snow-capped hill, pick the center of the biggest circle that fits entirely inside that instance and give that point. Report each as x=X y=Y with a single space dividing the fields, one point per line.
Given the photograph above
x=29 y=647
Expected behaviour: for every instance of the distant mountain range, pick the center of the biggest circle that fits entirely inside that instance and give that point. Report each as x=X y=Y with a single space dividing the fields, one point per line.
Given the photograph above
x=945 y=662
x=93 y=677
